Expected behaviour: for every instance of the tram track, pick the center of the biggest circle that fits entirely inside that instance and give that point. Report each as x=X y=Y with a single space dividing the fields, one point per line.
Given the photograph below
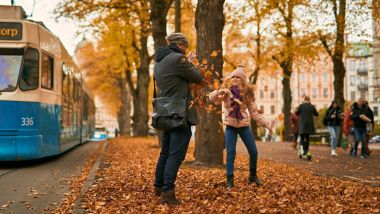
x=4 y=173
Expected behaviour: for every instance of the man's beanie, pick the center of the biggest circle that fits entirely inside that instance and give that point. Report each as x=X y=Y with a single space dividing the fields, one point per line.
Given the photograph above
x=177 y=38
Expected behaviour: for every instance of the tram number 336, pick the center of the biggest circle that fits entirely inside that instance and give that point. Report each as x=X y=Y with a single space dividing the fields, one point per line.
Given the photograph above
x=27 y=121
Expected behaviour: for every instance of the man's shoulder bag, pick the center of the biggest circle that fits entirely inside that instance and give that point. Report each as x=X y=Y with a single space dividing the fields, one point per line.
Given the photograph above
x=169 y=113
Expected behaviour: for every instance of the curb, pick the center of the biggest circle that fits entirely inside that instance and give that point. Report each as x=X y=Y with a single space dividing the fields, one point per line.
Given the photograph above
x=90 y=180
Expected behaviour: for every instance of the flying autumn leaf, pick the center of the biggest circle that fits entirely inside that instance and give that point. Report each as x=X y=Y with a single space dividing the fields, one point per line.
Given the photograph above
x=214 y=53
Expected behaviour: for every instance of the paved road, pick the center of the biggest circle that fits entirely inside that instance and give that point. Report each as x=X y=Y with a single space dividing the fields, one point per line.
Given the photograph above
x=343 y=165
x=37 y=186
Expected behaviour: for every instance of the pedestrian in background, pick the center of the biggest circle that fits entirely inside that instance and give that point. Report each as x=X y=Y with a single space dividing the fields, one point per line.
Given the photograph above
x=360 y=117
x=370 y=126
x=294 y=126
x=306 y=112
x=348 y=128
x=332 y=120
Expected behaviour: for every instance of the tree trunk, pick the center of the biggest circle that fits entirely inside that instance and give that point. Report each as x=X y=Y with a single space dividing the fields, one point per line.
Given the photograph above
x=140 y=102
x=253 y=80
x=159 y=10
x=177 y=15
x=287 y=94
x=339 y=74
x=124 y=114
x=337 y=58
x=209 y=23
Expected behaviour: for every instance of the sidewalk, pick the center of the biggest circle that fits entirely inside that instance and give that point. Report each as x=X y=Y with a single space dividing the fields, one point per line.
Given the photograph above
x=322 y=163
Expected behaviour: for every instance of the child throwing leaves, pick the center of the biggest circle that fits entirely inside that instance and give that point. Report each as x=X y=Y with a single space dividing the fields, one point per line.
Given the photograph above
x=239 y=106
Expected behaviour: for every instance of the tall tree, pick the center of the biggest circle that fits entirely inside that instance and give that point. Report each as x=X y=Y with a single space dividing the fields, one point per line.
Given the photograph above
x=336 y=53
x=135 y=14
x=158 y=12
x=177 y=15
x=209 y=23
x=260 y=11
x=285 y=58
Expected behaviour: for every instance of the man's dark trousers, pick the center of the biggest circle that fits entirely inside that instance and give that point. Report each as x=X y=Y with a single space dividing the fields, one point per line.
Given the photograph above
x=173 y=152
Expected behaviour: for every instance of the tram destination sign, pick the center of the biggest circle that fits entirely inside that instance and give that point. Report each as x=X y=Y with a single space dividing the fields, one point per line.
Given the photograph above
x=10 y=31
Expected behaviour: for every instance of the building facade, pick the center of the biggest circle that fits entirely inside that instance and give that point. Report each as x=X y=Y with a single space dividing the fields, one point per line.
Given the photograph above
x=376 y=47
x=315 y=81
x=361 y=75
x=104 y=117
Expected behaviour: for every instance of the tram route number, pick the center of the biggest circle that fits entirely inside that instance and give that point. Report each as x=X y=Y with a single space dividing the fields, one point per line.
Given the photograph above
x=27 y=121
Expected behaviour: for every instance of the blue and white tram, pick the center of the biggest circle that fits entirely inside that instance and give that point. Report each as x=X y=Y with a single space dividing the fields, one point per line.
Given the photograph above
x=45 y=108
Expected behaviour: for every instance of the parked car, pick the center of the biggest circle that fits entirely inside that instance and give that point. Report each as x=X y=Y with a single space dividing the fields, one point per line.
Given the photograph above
x=374 y=139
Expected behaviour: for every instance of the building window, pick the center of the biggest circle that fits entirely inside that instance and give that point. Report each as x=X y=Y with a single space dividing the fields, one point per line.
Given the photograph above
x=262 y=109
x=261 y=94
x=303 y=92
x=325 y=77
x=314 y=93
x=272 y=94
x=352 y=80
x=325 y=92
x=362 y=64
x=303 y=77
x=375 y=111
x=353 y=98
x=314 y=77
x=352 y=65
x=272 y=109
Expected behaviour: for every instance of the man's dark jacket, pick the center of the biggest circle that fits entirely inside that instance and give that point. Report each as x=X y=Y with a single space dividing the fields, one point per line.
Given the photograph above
x=174 y=73
x=306 y=112
x=355 y=116
x=333 y=121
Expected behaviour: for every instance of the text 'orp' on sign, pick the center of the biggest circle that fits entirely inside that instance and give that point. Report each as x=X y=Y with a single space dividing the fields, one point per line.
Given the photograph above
x=10 y=31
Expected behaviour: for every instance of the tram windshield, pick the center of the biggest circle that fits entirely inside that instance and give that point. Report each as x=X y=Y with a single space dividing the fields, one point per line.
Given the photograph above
x=10 y=63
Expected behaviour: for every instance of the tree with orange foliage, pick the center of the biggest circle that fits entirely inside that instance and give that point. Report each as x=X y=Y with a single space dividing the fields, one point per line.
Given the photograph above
x=136 y=15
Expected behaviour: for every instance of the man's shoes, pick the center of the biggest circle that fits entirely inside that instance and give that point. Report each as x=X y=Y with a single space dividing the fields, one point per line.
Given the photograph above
x=333 y=152
x=254 y=179
x=157 y=191
x=230 y=181
x=169 y=198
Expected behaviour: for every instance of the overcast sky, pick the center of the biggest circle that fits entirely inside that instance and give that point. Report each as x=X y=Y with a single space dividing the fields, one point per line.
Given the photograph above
x=43 y=11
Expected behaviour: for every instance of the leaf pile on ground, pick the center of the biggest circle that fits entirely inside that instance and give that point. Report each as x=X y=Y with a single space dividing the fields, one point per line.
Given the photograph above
x=125 y=185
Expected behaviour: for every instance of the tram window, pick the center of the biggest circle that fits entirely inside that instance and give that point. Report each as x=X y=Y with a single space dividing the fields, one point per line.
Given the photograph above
x=10 y=64
x=65 y=80
x=71 y=87
x=30 y=71
x=47 y=71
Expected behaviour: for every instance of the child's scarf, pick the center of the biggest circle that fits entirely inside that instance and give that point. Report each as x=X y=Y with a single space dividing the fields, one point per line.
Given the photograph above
x=236 y=113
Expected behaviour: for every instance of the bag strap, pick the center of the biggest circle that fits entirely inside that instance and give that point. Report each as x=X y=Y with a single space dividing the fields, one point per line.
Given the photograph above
x=154 y=87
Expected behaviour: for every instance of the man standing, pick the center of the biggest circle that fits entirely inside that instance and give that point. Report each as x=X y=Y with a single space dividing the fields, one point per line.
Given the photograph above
x=305 y=113
x=360 y=116
x=173 y=73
